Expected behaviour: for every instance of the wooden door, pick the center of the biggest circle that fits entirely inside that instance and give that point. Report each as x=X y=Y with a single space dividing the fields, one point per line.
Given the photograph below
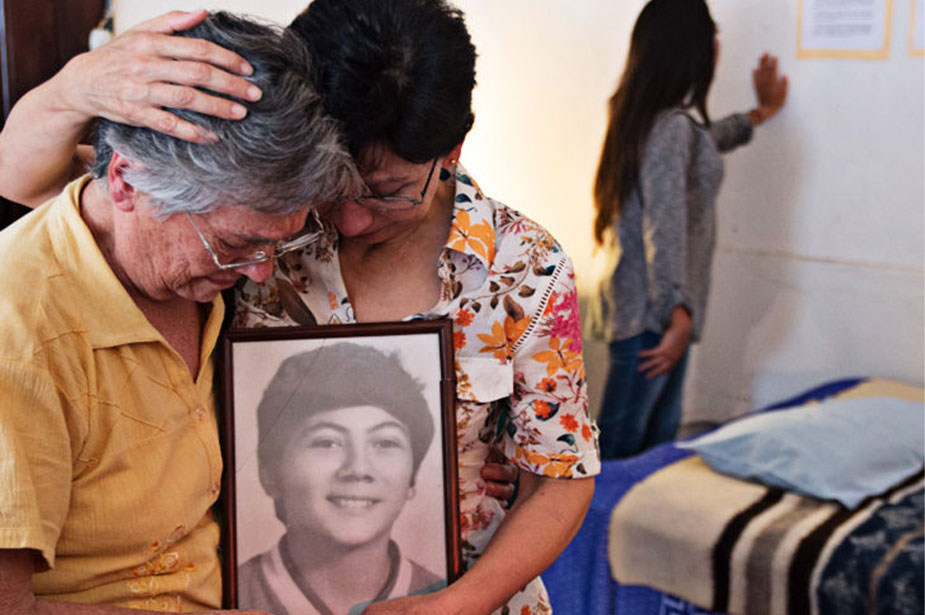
x=37 y=37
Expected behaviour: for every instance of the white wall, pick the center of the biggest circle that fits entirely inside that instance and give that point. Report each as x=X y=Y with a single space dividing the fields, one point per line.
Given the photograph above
x=819 y=269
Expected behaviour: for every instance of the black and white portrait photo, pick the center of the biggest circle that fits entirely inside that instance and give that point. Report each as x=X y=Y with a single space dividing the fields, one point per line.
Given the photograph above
x=339 y=495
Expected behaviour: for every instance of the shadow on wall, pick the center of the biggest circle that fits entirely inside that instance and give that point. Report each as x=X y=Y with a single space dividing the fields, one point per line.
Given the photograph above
x=743 y=322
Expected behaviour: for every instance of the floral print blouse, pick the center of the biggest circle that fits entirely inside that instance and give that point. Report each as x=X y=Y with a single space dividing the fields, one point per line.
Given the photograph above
x=510 y=290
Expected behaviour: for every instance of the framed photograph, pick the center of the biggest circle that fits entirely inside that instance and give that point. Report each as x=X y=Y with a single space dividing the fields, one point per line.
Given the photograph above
x=340 y=485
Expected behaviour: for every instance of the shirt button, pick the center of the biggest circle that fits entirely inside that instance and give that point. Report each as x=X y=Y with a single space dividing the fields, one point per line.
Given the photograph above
x=199 y=413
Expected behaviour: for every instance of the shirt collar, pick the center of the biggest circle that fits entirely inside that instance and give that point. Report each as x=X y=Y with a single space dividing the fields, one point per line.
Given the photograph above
x=472 y=230
x=105 y=307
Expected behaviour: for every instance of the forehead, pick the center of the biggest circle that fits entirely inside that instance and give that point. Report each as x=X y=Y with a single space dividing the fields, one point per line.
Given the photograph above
x=353 y=418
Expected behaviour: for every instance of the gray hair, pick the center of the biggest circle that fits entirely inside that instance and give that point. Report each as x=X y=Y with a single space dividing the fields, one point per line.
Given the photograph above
x=284 y=153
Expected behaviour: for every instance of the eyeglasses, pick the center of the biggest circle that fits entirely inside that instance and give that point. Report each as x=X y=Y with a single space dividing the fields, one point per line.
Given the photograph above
x=393 y=203
x=257 y=254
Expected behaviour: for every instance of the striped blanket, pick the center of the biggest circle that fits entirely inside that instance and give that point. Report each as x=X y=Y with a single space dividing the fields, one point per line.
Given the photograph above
x=743 y=548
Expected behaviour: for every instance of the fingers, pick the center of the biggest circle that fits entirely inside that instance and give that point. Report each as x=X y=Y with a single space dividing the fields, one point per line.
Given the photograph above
x=174 y=21
x=657 y=361
x=499 y=491
x=499 y=476
x=177 y=21
x=168 y=95
x=662 y=350
x=173 y=84
x=656 y=366
x=766 y=71
x=137 y=75
x=499 y=472
x=166 y=122
x=770 y=87
x=206 y=76
x=195 y=49
x=767 y=63
x=190 y=61
x=158 y=71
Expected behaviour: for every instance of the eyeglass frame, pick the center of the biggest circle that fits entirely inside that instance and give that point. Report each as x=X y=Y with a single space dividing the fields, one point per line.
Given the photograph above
x=410 y=203
x=280 y=247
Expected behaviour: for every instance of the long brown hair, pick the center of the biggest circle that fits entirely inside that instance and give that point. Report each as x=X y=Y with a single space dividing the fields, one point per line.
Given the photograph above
x=670 y=64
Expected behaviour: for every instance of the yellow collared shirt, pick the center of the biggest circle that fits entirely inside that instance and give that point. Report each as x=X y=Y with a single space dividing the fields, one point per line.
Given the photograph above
x=109 y=452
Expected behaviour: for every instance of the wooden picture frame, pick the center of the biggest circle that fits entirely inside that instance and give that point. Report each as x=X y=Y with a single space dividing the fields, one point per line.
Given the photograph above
x=340 y=462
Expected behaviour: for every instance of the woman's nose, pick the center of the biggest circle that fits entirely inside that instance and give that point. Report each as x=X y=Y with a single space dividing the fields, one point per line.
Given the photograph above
x=259 y=272
x=351 y=218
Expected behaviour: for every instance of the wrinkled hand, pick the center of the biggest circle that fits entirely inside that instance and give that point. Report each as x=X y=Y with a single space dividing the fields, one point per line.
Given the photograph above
x=499 y=476
x=770 y=88
x=428 y=604
x=661 y=359
x=133 y=76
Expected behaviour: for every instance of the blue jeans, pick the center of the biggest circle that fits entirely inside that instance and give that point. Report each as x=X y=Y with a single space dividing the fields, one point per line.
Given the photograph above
x=637 y=413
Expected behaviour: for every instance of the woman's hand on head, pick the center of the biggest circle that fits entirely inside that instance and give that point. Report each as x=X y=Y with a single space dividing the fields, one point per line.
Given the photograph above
x=131 y=78
x=770 y=88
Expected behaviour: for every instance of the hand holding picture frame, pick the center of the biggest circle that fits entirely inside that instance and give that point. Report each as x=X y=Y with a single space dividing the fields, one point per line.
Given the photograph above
x=340 y=466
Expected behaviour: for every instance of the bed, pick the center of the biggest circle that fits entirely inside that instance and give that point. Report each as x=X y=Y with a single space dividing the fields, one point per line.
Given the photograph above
x=668 y=535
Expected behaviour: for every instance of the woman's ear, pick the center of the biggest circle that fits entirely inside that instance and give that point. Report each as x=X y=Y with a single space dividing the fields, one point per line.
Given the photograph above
x=453 y=157
x=122 y=193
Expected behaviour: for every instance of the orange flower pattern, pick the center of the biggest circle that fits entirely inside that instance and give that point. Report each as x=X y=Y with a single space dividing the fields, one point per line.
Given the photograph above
x=464 y=317
x=509 y=289
x=478 y=237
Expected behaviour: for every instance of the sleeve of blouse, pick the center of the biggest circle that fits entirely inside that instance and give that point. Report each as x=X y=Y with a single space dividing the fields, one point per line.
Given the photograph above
x=35 y=461
x=663 y=186
x=732 y=131
x=550 y=431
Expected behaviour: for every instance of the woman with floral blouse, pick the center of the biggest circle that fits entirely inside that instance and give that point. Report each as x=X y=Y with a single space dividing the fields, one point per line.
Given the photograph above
x=419 y=240
x=423 y=241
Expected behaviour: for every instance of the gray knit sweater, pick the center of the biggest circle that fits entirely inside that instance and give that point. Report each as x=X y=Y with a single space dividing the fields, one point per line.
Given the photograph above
x=666 y=229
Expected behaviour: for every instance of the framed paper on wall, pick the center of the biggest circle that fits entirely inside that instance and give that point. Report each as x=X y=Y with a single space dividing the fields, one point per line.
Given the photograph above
x=917 y=28
x=848 y=30
x=340 y=466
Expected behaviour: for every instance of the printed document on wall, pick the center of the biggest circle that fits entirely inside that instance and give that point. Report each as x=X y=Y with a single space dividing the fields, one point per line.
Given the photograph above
x=917 y=29
x=844 y=29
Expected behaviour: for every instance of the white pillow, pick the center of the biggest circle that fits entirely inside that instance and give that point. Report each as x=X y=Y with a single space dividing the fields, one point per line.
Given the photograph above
x=838 y=449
